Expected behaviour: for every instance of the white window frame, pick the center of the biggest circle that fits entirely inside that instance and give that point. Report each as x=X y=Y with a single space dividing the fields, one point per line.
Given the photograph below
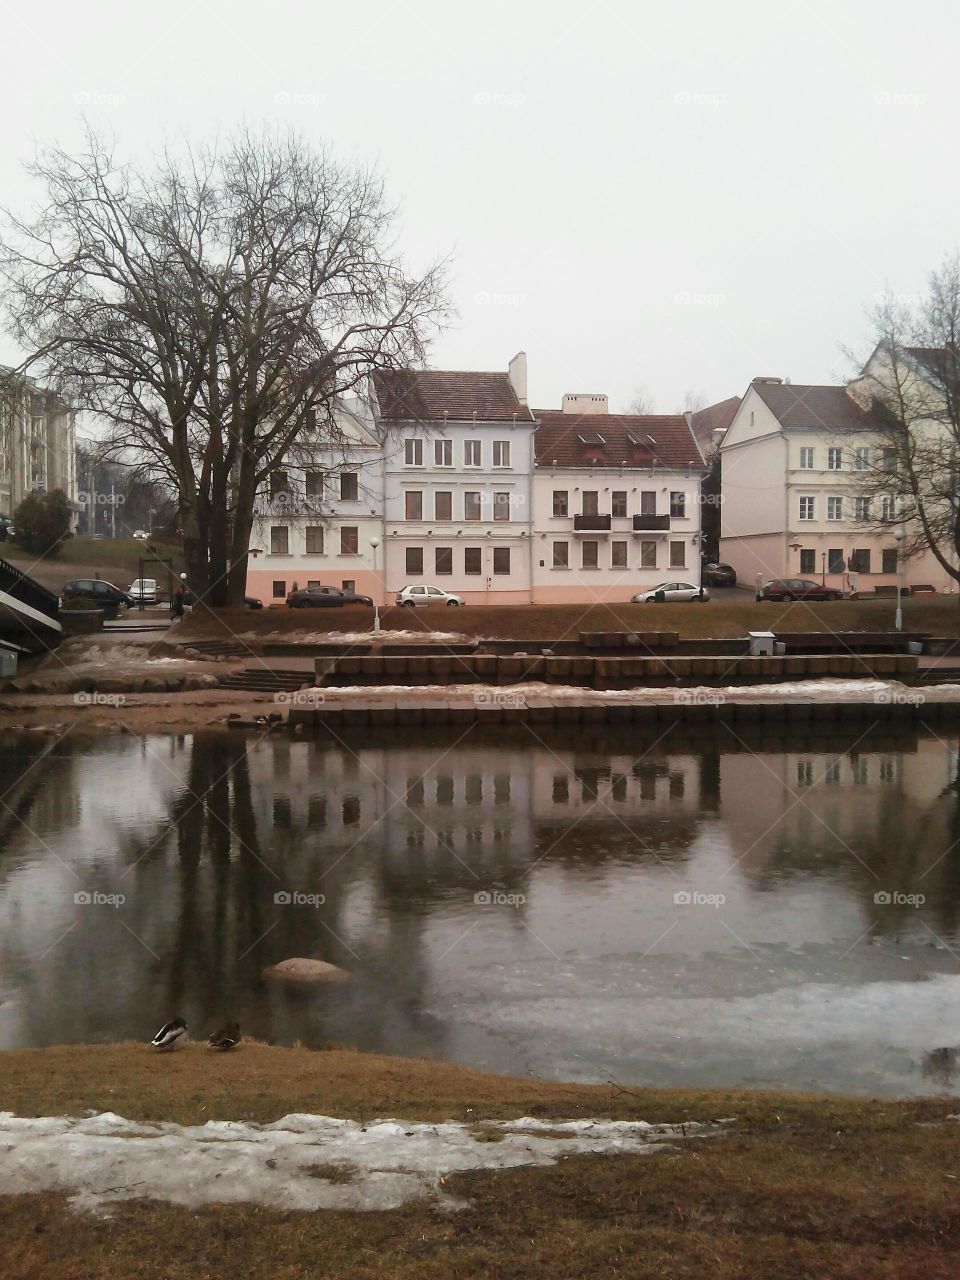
x=807 y=509
x=862 y=458
x=413 y=451
x=806 y=457
x=501 y=453
x=471 y=447
x=862 y=508
x=834 y=458
x=443 y=452
x=834 y=506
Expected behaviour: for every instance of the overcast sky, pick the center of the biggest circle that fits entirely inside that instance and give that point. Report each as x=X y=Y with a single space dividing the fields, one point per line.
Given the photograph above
x=673 y=197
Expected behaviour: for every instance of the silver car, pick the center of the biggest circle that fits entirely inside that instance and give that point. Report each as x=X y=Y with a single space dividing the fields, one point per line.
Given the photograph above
x=143 y=591
x=671 y=593
x=411 y=597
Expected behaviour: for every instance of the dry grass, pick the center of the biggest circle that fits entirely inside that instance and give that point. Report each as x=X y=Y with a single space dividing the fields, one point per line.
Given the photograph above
x=719 y=618
x=802 y=1187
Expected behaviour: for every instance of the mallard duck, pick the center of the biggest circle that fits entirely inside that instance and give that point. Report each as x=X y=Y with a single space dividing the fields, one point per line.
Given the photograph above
x=226 y=1037
x=170 y=1034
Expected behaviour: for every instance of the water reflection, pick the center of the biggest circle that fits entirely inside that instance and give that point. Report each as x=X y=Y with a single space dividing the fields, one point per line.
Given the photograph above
x=526 y=904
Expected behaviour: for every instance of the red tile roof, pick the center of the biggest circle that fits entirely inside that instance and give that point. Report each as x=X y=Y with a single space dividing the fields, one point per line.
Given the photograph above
x=824 y=408
x=428 y=395
x=636 y=439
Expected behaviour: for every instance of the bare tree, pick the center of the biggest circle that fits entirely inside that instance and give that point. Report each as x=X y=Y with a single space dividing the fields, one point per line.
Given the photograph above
x=912 y=385
x=641 y=402
x=212 y=306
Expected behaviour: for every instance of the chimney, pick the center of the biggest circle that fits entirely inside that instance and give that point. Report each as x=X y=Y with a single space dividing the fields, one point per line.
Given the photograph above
x=581 y=403
x=767 y=381
x=517 y=373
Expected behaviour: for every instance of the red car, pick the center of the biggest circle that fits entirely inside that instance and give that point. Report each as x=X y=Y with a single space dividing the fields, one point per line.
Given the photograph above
x=797 y=589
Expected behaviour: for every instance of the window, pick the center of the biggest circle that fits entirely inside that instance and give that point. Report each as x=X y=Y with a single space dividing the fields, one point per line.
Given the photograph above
x=443 y=453
x=561 y=555
x=348 y=584
x=834 y=459
x=806 y=458
x=443 y=561
x=472 y=559
x=471 y=453
x=808 y=560
x=501 y=506
x=314 y=534
x=501 y=453
x=618 y=555
x=889 y=459
x=279 y=540
x=589 y=555
x=861 y=458
x=349 y=539
x=888 y=507
x=862 y=508
x=349 y=486
x=471 y=506
x=678 y=555
x=501 y=559
x=413 y=452
x=806 y=508
x=648 y=502
x=835 y=560
x=678 y=504
x=889 y=555
x=414 y=560
x=443 y=505
x=413 y=505
x=648 y=555
x=279 y=484
x=834 y=508
x=279 y=589
x=560 y=502
x=618 y=503
x=591 y=502
x=860 y=560
x=314 y=484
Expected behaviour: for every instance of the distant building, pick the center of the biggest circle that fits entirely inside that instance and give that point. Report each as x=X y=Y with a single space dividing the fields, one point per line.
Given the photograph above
x=37 y=442
x=616 y=500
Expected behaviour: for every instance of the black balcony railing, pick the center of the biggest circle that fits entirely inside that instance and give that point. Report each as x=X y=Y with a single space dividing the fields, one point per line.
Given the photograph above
x=591 y=524
x=27 y=591
x=650 y=524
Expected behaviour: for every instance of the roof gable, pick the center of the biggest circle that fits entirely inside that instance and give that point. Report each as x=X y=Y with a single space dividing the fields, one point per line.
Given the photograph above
x=614 y=440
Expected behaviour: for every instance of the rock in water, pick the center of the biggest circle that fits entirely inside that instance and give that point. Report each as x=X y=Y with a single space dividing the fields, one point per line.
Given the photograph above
x=300 y=970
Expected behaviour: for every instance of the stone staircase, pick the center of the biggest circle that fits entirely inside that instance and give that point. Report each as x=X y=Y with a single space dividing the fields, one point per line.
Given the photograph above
x=265 y=680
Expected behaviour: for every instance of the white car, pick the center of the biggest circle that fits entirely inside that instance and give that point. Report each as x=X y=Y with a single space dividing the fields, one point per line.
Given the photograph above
x=410 y=597
x=143 y=591
x=141 y=535
x=672 y=592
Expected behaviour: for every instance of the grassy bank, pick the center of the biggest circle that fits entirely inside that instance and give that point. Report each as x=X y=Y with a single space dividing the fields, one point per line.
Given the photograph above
x=800 y=1186
x=116 y=559
x=552 y=622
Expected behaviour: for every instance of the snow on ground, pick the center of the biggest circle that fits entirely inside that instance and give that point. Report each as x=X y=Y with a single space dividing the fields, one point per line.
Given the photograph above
x=357 y=637
x=288 y=1164
x=111 y=656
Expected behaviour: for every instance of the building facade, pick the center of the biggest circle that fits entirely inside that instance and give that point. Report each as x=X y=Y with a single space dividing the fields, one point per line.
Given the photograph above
x=616 y=501
x=798 y=466
x=37 y=443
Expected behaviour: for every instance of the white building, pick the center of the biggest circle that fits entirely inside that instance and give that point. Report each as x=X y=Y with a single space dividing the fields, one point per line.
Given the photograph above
x=37 y=442
x=457 y=481
x=798 y=475
x=319 y=517
x=616 y=501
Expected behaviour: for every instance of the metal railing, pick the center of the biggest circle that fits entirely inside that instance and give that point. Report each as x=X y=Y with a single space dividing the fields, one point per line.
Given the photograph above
x=28 y=591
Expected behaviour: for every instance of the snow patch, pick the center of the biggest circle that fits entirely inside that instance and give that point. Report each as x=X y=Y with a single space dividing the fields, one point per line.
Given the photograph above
x=104 y=1158
x=359 y=637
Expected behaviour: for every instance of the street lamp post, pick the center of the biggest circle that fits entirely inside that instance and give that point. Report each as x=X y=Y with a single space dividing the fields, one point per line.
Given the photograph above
x=374 y=543
x=898 y=534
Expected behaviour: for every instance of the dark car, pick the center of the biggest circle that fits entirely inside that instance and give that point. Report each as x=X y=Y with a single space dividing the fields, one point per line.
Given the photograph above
x=104 y=593
x=718 y=575
x=797 y=589
x=251 y=602
x=318 y=597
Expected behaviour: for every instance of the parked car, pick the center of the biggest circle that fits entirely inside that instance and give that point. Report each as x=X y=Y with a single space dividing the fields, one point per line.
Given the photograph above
x=718 y=575
x=251 y=602
x=143 y=591
x=411 y=597
x=671 y=593
x=797 y=589
x=104 y=593
x=141 y=535
x=320 y=597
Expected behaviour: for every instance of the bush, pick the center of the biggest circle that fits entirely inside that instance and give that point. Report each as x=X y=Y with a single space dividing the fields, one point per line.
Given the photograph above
x=42 y=522
x=77 y=603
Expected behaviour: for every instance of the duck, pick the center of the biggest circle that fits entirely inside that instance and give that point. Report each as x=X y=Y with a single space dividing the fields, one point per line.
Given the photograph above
x=170 y=1034
x=226 y=1038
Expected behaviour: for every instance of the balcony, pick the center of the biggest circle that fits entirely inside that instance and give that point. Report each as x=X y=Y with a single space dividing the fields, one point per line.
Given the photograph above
x=591 y=524
x=651 y=524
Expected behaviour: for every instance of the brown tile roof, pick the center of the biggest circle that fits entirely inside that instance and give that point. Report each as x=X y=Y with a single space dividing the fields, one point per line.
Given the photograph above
x=826 y=408
x=426 y=395
x=938 y=360
x=715 y=417
x=609 y=439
